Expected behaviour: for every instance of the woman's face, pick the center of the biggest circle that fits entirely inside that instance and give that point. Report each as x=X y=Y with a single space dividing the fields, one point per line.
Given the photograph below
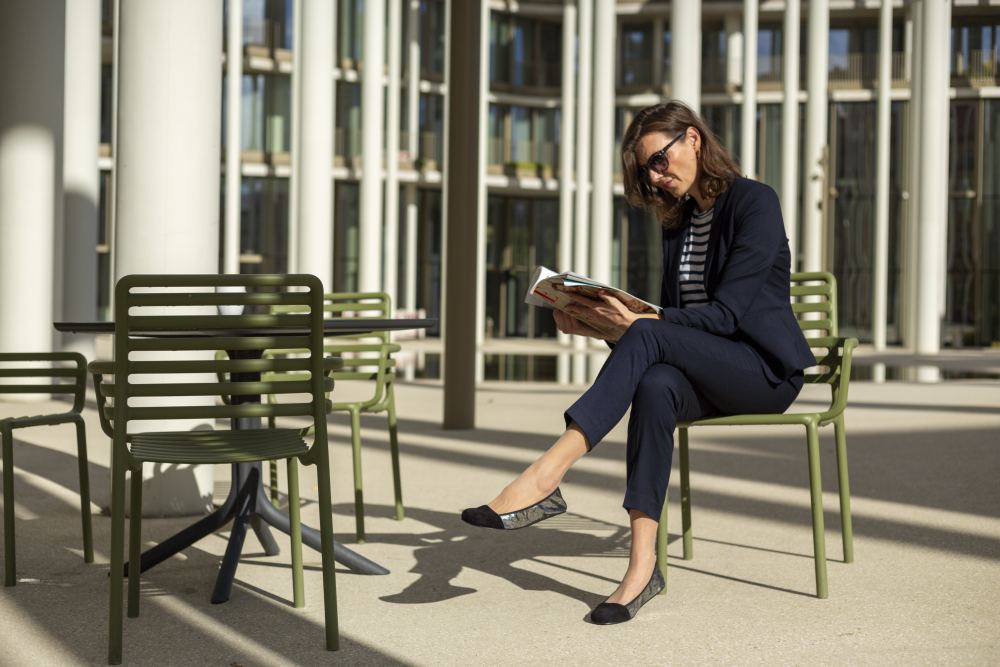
x=680 y=160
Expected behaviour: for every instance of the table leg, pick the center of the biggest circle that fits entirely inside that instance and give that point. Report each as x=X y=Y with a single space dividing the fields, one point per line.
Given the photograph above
x=264 y=535
x=227 y=572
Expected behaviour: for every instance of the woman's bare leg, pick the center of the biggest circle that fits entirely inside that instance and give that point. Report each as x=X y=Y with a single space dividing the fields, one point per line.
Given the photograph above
x=641 y=560
x=543 y=476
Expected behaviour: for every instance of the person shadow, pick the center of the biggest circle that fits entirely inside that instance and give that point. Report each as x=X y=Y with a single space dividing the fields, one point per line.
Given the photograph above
x=442 y=554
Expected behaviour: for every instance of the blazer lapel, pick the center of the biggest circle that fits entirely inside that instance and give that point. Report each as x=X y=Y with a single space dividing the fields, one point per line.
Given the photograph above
x=713 y=238
x=673 y=241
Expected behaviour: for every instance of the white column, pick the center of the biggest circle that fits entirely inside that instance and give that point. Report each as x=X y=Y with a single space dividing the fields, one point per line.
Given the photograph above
x=602 y=198
x=412 y=135
x=733 y=27
x=881 y=249
x=31 y=170
x=790 y=128
x=815 y=163
x=567 y=129
x=81 y=192
x=391 y=257
x=168 y=199
x=912 y=156
x=370 y=224
x=748 y=116
x=234 y=87
x=932 y=193
x=685 y=52
x=581 y=234
x=315 y=160
x=295 y=138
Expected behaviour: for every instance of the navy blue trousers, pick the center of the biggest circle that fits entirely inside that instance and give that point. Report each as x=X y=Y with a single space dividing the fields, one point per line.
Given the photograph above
x=670 y=373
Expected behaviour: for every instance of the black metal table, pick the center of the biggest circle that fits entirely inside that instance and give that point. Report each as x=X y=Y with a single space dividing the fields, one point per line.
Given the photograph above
x=247 y=502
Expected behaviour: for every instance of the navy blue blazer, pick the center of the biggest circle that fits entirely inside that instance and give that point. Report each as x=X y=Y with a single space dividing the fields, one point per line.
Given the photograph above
x=746 y=278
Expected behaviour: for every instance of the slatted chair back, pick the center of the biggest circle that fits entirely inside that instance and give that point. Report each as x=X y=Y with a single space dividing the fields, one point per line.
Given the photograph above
x=814 y=302
x=56 y=373
x=178 y=315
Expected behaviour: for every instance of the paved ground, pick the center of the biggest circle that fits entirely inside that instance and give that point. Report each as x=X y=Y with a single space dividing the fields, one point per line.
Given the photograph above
x=925 y=460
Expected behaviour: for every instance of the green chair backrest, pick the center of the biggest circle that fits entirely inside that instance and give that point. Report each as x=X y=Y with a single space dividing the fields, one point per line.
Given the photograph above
x=153 y=314
x=44 y=373
x=814 y=301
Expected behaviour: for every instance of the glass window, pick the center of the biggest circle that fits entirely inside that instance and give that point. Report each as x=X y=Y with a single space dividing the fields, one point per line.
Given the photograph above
x=432 y=39
x=636 y=54
x=432 y=128
x=713 y=56
x=347 y=132
x=264 y=225
x=345 y=236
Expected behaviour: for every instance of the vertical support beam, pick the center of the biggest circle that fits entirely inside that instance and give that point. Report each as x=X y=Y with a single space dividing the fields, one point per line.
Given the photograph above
x=814 y=169
x=581 y=234
x=81 y=187
x=372 y=121
x=932 y=193
x=790 y=129
x=234 y=85
x=296 y=139
x=391 y=257
x=412 y=136
x=911 y=297
x=567 y=130
x=315 y=160
x=685 y=56
x=461 y=207
x=734 y=51
x=484 y=87
x=168 y=200
x=881 y=249
x=31 y=169
x=748 y=116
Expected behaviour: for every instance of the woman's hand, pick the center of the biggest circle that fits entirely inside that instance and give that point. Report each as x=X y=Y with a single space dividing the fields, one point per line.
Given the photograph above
x=606 y=316
x=570 y=325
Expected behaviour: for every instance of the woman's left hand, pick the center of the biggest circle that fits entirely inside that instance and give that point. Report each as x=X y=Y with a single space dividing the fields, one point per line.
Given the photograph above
x=606 y=313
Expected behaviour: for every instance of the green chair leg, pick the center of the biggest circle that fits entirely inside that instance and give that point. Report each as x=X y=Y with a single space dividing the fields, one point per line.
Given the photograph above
x=686 y=495
x=816 y=498
x=117 y=560
x=359 y=502
x=846 y=531
x=9 y=564
x=326 y=535
x=135 y=541
x=295 y=532
x=394 y=450
x=661 y=545
x=81 y=459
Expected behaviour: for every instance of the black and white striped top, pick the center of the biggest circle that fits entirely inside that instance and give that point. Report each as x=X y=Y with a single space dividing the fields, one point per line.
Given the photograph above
x=693 y=253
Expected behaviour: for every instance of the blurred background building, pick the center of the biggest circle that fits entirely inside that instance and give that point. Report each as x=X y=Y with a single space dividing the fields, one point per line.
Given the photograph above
x=563 y=80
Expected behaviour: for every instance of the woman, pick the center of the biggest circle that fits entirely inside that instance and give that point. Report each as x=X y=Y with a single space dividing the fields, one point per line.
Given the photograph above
x=724 y=342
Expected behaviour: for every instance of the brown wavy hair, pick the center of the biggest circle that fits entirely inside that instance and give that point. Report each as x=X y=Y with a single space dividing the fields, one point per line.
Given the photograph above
x=716 y=167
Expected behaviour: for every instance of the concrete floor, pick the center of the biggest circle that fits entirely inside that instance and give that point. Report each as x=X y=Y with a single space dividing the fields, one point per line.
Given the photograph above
x=925 y=460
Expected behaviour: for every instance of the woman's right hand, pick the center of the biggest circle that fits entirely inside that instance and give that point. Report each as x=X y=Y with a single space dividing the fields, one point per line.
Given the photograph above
x=570 y=325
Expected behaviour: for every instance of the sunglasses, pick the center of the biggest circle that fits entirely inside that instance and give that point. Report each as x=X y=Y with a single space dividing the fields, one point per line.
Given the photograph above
x=658 y=161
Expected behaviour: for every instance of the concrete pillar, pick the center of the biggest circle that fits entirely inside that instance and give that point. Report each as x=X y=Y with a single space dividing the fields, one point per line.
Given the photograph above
x=484 y=87
x=412 y=145
x=932 y=194
x=790 y=129
x=295 y=138
x=372 y=121
x=748 y=116
x=31 y=170
x=581 y=234
x=567 y=129
x=910 y=295
x=685 y=56
x=315 y=159
x=461 y=205
x=816 y=163
x=881 y=249
x=391 y=257
x=733 y=26
x=168 y=200
x=234 y=103
x=81 y=193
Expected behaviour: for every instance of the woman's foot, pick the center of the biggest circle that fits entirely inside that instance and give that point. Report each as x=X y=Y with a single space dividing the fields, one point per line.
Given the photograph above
x=640 y=569
x=530 y=487
x=626 y=601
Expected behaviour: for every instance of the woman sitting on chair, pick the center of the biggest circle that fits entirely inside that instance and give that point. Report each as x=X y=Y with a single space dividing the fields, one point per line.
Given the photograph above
x=724 y=342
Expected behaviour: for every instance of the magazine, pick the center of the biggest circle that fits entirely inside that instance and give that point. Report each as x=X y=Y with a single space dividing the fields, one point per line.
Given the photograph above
x=547 y=289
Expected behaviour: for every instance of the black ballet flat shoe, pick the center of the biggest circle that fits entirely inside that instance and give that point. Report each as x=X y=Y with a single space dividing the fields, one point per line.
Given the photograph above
x=609 y=613
x=546 y=508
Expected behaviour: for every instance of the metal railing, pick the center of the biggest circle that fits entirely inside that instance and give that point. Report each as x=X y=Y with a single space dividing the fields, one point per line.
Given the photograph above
x=979 y=66
x=863 y=68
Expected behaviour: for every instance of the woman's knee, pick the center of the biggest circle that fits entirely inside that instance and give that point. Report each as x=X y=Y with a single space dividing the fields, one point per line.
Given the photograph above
x=660 y=388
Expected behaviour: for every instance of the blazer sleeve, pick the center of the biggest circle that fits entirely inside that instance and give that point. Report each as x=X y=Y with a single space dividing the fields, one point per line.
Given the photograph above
x=757 y=239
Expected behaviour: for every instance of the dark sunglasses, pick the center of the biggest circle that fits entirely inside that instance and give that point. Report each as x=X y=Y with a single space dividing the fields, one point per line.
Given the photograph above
x=658 y=161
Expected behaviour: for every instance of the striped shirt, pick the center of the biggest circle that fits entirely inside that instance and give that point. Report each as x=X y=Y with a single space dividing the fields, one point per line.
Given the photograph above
x=693 y=253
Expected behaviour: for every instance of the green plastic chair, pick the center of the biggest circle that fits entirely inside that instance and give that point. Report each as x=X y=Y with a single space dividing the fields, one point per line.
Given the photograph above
x=154 y=314
x=43 y=373
x=363 y=357
x=814 y=301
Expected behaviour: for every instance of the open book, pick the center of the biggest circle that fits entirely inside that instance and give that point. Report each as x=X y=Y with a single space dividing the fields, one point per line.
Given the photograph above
x=543 y=291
